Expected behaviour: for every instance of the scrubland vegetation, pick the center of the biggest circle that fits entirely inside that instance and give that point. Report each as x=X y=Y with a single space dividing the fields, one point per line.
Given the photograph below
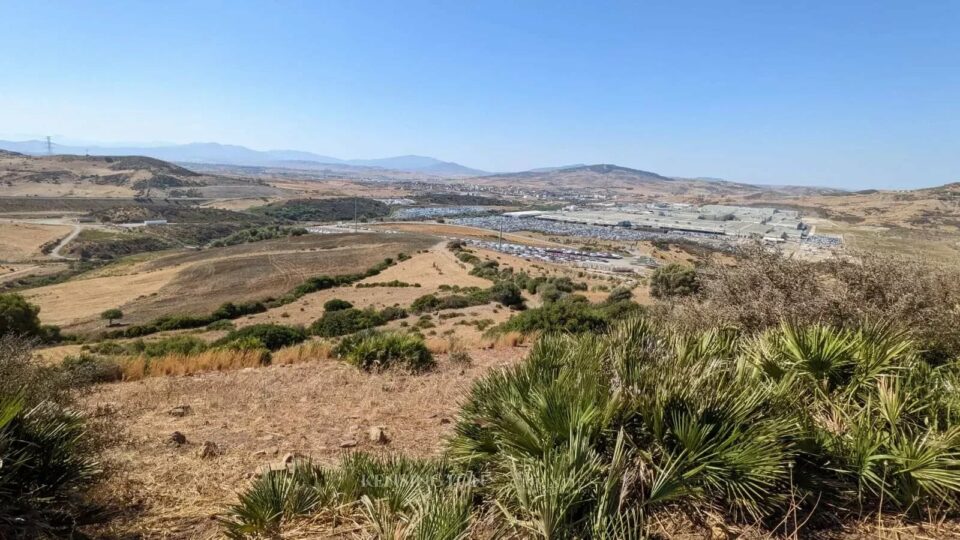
x=771 y=397
x=770 y=419
x=336 y=209
x=49 y=450
x=598 y=435
x=232 y=310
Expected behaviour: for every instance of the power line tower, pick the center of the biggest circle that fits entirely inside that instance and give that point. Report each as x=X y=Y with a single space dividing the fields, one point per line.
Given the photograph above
x=49 y=146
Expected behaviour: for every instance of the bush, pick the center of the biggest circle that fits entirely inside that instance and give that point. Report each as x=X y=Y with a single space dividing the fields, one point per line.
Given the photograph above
x=49 y=452
x=427 y=302
x=601 y=435
x=185 y=345
x=620 y=294
x=336 y=304
x=375 y=351
x=229 y=310
x=222 y=324
x=272 y=336
x=507 y=293
x=569 y=314
x=346 y=321
x=392 y=313
x=673 y=280
x=87 y=368
x=548 y=292
x=17 y=316
x=766 y=287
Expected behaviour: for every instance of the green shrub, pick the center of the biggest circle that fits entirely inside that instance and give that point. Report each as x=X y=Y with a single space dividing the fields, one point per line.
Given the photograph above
x=392 y=313
x=249 y=343
x=336 y=304
x=346 y=321
x=427 y=302
x=186 y=345
x=17 y=316
x=272 y=336
x=375 y=351
x=424 y=496
x=229 y=310
x=506 y=293
x=569 y=314
x=674 y=280
x=49 y=453
x=87 y=368
x=620 y=294
x=222 y=324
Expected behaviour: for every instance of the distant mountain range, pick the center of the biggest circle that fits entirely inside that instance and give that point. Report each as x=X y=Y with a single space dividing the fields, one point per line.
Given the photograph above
x=227 y=154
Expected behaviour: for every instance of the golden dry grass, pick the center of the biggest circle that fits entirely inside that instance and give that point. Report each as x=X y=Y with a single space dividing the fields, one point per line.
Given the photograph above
x=311 y=351
x=137 y=368
x=22 y=241
x=65 y=304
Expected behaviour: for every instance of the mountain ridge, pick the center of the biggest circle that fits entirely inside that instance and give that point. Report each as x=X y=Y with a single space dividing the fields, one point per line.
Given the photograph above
x=227 y=154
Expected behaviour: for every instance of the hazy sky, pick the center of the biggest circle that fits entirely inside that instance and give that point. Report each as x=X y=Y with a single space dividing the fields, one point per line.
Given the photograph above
x=850 y=93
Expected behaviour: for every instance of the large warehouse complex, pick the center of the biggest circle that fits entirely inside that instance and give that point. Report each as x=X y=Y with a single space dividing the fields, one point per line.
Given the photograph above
x=770 y=224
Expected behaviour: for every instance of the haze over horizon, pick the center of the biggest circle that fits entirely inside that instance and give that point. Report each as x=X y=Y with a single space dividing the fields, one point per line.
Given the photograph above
x=861 y=95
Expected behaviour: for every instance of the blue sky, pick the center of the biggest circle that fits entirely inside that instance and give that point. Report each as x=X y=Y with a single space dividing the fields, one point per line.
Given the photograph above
x=851 y=94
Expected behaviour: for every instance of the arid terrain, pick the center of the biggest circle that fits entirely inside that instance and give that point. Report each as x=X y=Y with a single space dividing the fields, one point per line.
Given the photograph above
x=203 y=426
x=320 y=408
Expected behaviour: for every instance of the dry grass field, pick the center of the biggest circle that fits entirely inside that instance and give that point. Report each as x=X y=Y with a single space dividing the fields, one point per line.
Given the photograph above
x=432 y=269
x=257 y=416
x=197 y=282
x=70 y=303
x=22 y=241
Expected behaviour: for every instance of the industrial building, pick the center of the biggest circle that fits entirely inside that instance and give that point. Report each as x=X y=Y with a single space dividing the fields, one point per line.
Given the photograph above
x=770 y=224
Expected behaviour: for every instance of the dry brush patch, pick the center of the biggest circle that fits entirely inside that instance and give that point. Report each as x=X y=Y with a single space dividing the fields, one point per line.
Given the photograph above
x=140 y=367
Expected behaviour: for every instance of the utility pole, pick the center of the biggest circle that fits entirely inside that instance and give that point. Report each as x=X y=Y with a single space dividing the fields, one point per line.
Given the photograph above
x=356 y=227
x=49 y=146
x=500 y=247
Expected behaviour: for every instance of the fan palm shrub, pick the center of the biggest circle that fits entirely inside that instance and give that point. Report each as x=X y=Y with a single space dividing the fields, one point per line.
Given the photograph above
x=594 y=435
x=374 y=351
x=45 y=464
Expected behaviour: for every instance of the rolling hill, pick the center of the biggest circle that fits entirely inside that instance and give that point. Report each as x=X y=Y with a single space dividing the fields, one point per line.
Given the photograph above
x=108 y=176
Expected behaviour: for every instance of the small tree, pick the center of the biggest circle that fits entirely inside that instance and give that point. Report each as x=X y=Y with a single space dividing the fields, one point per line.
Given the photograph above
x=674 y=280
x=111 y=315
x=17 y=316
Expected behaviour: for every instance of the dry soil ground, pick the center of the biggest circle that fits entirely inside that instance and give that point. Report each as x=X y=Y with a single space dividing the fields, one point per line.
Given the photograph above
x=257 y=416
